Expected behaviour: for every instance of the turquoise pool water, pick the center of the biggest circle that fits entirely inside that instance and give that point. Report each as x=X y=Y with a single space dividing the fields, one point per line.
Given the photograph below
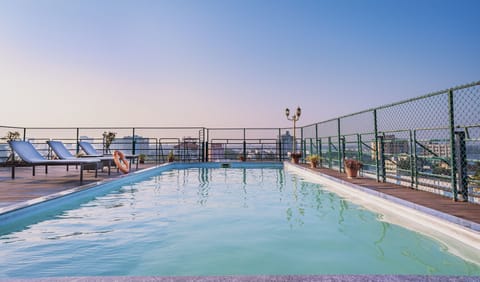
x=220 y=221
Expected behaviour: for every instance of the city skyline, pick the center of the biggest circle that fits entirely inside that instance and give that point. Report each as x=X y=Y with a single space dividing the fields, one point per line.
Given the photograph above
x=226 y=63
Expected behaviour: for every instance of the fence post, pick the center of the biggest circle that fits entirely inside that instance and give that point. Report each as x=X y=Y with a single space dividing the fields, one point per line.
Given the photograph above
x=412 y=167
x=329 y=152
x=311 y=146
x=320 y=153
x=359 y=148
x=453 y=155
x=339 y=153
x=375 y=128
x=302 y=145
x=24 y=133
x=462 y=165
x=343 y=151
x=382 y=158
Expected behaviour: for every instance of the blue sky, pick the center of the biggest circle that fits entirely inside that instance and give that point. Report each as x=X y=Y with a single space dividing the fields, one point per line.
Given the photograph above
x=226 y=63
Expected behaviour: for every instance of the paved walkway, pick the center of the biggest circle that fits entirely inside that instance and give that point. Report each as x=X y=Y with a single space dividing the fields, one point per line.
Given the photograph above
x=464 y=210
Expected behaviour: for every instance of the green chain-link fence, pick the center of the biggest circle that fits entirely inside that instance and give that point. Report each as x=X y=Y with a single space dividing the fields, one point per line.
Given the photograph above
x=431 y=142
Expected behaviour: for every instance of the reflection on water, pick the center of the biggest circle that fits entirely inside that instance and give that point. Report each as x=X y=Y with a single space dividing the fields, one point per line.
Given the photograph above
x=221 y=222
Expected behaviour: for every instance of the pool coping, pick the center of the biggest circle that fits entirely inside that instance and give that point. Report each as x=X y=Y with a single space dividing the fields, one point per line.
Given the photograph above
x=244 y=278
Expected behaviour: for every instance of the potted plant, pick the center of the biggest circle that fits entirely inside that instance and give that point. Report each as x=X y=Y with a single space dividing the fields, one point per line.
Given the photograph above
x=313 y=159
x=108 y=138
x=352 y=167
x=142 y=158
x=170 y=157
x=296 y=157
x=12 y=136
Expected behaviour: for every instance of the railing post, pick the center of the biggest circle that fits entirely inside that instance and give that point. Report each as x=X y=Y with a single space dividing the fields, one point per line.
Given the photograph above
x=280 y=151
x=24 y=134
x=156 y=151
x=77 y=150
x=244 y=145
x=339 y=150
x=133 y=141
x=377 y=173
x=206 y=147
x=453 y=155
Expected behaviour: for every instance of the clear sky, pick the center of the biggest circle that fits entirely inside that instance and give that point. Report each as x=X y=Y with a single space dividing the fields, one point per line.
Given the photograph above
x=232 y=63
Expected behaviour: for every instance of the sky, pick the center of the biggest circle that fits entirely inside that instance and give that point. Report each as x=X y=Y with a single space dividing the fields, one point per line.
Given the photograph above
x=226 y=63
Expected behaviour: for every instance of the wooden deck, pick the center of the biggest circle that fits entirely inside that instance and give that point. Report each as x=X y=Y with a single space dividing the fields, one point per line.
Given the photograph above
x=25 y=187
x=464 y=210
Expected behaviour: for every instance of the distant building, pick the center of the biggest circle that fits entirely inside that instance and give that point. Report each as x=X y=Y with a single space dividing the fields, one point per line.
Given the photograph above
x=392 y=146
x=187 y=149
x=216 y=152
x=286 y=141
x=126 y=144
x=439 y=148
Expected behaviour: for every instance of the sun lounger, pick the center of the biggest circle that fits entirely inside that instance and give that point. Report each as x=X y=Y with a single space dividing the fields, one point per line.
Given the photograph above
x=64 y=154
x=32 y=157
x=92 y=152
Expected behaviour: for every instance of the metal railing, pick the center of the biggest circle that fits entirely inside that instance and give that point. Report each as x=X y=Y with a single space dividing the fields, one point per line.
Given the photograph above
x=430 y=142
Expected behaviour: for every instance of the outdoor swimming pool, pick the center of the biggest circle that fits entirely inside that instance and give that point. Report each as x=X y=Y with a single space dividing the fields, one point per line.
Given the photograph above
x=220 y=221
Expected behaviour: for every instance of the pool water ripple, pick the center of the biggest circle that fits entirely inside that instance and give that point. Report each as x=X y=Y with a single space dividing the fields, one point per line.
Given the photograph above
x=201 y=221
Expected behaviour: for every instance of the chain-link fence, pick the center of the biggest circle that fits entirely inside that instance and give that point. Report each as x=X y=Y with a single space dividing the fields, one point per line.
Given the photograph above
x=430 y=142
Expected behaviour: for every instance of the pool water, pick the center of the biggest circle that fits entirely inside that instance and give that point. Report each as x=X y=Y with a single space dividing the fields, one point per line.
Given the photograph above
x=222 y=221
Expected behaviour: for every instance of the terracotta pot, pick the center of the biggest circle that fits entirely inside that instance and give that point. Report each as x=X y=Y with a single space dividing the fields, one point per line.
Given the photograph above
x=351 y=172
x=313 y=164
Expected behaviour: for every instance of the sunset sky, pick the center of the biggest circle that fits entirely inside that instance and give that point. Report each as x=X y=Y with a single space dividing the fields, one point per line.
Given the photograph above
x=226 y=63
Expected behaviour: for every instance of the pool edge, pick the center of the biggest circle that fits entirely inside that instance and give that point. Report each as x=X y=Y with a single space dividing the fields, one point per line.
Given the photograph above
x=447 y=225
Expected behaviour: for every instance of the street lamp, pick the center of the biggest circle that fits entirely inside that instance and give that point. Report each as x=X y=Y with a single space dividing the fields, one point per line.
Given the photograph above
x=294 y=118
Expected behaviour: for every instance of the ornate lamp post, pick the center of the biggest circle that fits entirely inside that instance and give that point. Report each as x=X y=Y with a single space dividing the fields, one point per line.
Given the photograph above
x=294 y=118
